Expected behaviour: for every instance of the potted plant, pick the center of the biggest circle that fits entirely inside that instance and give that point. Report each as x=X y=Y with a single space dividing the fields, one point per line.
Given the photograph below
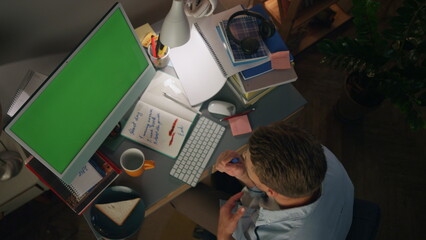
x=384 y=64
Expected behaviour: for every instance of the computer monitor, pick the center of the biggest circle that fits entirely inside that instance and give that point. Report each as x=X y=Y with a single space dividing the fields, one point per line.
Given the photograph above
x=68 y=118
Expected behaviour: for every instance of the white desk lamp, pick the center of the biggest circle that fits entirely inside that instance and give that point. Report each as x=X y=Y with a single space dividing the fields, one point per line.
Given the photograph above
x=175 y=30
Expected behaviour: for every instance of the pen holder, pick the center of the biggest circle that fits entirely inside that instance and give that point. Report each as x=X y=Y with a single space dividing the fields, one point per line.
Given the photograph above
x=159 y=62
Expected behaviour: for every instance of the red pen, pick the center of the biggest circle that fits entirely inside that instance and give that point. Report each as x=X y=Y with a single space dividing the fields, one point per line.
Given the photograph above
x=238 y=114
x=153 y=46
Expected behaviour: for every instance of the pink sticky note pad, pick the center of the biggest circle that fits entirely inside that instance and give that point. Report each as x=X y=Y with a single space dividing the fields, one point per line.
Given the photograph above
x=280 y=60
x=240 y=125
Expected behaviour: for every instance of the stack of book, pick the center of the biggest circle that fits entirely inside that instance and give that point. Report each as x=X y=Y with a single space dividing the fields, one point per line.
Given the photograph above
x=252 y=84
x=242 y=27
x=91 y=181
x=235 y=83
x=251 y=90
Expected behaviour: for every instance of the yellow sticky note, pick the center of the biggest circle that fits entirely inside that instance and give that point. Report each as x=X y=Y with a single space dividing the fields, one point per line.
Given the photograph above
x=147 y=39
x=240 y=125
x=143 y=30
x=280 y=60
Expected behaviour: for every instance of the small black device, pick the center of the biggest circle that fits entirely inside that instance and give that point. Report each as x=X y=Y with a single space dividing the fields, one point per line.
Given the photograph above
x=250 y=45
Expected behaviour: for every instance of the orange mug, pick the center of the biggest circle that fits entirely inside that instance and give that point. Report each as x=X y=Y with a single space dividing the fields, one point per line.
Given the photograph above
x=133 y=162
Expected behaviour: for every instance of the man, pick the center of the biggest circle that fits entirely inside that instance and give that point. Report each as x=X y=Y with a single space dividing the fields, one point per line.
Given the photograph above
x=295 y=189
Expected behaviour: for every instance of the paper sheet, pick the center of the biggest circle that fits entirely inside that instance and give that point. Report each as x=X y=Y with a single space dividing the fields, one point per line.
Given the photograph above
x=87 y=178
x=202 y=75
x=157 y=129
x=280 y=60
x=197 y=70
x=29 y=86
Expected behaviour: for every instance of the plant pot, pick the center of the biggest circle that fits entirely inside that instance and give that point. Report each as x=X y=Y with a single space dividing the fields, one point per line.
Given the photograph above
x=356 y=101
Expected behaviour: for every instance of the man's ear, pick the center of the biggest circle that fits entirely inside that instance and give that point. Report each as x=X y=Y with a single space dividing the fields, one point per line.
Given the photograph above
x=271 y=193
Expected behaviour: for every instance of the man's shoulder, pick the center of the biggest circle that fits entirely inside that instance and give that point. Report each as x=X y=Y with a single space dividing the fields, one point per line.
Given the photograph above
x=335 y=206
x=335 y=168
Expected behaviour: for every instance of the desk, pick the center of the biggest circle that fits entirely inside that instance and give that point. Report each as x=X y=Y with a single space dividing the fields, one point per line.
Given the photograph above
x=157 y=187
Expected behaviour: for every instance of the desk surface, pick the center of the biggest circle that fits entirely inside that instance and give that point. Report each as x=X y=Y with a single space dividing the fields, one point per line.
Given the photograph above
x=157 y=187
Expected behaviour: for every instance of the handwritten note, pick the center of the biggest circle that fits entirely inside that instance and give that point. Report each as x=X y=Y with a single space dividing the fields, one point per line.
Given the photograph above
x=87 y=178
x=156 y=129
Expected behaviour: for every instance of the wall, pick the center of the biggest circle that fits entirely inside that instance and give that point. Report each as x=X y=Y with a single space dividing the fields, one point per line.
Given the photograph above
x=32 y=28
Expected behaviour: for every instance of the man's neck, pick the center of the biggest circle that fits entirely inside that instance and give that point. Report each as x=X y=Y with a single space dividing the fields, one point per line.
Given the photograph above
x=287 y=202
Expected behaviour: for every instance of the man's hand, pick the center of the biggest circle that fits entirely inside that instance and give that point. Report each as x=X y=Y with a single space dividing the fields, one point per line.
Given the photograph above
x=237 y=170
x=223 y=164
x=227 y=220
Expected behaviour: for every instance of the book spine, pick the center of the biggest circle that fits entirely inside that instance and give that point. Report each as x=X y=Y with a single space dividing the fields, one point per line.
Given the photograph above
x=65 y=192
x=96 y=190
x=216 y=59
x=107 y=160
x=259 y=96
x=240 y=98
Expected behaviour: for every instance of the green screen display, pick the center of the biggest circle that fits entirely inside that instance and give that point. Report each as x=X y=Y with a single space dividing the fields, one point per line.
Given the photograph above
x=73 y=105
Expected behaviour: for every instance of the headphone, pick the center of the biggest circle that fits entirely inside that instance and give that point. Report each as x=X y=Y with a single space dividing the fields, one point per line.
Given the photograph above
x=250 y=45
x=200 y=8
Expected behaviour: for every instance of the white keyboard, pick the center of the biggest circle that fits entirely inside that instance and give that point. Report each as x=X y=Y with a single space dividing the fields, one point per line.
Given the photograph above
x=197 y=151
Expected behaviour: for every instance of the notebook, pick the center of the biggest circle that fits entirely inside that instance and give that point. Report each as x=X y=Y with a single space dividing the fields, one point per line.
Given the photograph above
x=270 y=79
x=75 y=195
x=275 y=44
x=242 y=27
x=207 y=29
x=87 y=177
x=158 y=122
x=202 y=64
x=31 y=82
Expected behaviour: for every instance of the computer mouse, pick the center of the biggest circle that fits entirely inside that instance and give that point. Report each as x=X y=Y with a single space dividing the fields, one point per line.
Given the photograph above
x=221 y=108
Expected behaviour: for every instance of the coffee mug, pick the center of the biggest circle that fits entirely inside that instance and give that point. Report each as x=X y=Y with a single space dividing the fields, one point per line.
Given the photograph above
x=133 y=162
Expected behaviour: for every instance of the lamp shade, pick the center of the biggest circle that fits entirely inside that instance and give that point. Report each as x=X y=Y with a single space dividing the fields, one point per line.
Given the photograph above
x=175 y=30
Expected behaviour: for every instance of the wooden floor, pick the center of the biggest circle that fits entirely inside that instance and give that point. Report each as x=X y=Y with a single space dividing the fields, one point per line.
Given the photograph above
x=385 y=160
